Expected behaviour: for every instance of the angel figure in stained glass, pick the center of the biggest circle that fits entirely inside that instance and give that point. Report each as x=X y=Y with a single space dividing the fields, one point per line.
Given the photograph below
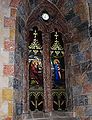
x=35 y=75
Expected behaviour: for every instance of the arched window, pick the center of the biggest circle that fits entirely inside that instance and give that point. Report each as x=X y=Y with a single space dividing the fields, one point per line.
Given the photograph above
x=35 y=70
x=58 y=71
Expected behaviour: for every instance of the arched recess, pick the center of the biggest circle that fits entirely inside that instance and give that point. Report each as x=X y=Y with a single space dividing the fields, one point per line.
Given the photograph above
x=56 y=20
x=34 y=19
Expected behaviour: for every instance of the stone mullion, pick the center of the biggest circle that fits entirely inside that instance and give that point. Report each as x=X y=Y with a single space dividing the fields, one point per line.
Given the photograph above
x=67 y=58
x=47 y=73
x=26 y=86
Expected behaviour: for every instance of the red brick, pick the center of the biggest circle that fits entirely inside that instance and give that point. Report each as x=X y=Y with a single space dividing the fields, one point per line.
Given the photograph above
x=8 y=118
x=88 y=55
x=8 y=70
x=9 y=45
x=9 y=22
x=85 y=118
x=14 y=3
x=87 y=88
x=13 y=12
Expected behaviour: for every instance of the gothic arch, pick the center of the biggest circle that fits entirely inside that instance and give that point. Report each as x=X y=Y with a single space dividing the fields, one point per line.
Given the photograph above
x=34 y=19
x=56 y=19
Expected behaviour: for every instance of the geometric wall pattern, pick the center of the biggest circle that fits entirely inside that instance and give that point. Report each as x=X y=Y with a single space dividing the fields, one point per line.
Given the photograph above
x=78 y=60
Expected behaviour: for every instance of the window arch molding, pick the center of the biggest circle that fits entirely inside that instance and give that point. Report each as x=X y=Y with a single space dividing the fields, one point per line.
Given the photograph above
x=56 y=19
x=49 y=26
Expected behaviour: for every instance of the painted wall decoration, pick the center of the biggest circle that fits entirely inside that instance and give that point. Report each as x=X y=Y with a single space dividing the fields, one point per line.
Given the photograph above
x=19 y=108
x=17 y=84
x=69 y=4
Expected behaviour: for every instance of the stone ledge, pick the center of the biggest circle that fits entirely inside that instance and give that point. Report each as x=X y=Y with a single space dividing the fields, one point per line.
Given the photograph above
x=55 y=115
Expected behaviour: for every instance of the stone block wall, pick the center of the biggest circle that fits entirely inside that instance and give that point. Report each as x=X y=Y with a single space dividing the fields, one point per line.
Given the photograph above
x=13 y=66
x=7 y=47
x=78 y=59
x=21 y=66
x=13 y=63
x=80 y=77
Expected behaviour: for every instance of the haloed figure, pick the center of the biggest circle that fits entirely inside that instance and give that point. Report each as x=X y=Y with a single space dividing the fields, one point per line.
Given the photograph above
x=57 y=72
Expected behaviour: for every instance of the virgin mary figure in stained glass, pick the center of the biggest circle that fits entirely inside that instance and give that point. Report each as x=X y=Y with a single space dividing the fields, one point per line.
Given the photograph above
x=57 y=72
x=57 y=60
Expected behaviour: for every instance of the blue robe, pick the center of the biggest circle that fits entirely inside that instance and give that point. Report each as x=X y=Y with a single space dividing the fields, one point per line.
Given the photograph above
x=56 y=72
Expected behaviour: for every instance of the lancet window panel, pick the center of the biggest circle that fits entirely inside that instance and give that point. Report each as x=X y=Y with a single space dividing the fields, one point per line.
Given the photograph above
x=36 y=101
x=59 y=100
x=57 y=61
x=35 y=61
x=58 y=72
x=35 y=71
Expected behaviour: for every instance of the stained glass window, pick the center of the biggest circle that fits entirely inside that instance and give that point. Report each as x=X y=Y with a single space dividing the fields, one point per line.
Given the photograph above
x=35 y=71
x=35 y=61
x=58 y=71
x=57 y=61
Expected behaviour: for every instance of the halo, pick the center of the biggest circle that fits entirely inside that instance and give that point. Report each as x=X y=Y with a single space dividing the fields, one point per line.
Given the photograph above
x=56 y=60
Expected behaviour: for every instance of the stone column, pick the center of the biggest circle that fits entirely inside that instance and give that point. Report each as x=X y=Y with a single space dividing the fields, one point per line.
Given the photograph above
x=47 y=73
